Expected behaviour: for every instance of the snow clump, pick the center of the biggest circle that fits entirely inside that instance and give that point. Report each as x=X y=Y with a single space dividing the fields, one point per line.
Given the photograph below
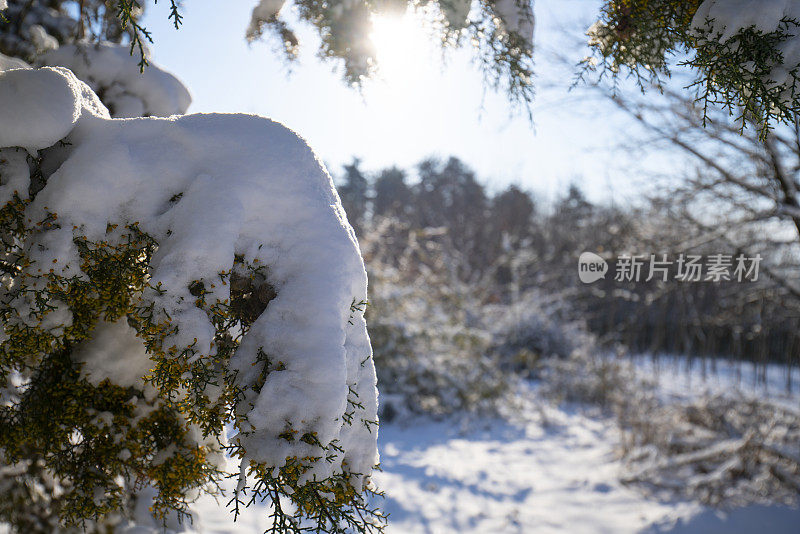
x=215 y=192
x=111 y=71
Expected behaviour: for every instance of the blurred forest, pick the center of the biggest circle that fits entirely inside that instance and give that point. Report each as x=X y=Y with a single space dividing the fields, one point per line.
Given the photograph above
x=474 y=280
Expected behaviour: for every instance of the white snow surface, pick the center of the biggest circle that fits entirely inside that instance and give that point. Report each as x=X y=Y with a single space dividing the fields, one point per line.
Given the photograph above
x=114 y=352
x=543 y=478
x=42 y=40
x=207 y=188
x=39 y=108
x=556 y=469
x=112 y=71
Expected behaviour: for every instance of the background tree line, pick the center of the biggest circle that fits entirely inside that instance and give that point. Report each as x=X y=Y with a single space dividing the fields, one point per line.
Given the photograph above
x=499 y=246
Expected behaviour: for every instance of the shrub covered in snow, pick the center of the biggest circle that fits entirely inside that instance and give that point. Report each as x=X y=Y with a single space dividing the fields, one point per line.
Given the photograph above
x=164 y=278
x=431 y=351
x=588 y=377
x=531 y=330
x=726 y=450
x=720 y=450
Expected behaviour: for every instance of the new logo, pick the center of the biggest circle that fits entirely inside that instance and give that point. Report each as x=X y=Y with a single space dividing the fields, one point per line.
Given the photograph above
x=591 y=267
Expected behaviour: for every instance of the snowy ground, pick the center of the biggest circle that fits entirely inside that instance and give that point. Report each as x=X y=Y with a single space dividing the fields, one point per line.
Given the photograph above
x=556 y=471
x=679 y=377
x=537 y=479
x=554 y=478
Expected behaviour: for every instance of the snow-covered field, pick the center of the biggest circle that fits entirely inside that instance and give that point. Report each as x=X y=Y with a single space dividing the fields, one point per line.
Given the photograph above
x=557 y=477
x=537 y=479
x=554 y=470
x=679 y=377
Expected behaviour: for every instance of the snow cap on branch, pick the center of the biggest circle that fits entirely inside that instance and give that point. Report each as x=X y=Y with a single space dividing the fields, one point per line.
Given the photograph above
x=110 y=69
x=39 y=107
x=214 y=192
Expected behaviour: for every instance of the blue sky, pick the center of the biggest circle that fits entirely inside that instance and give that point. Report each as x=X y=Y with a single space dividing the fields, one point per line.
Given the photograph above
x=422 y=106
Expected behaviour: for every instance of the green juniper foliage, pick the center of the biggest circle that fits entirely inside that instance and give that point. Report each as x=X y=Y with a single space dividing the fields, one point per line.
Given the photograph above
x=641 y=38
x=76 y=452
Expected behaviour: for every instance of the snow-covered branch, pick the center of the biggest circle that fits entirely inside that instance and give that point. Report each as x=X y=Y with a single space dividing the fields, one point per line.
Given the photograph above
x=201 y=265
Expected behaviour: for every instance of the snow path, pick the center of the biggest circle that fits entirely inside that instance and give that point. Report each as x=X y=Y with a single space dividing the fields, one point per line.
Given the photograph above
x=560 y=476
x=556 y=477
x=557 y=471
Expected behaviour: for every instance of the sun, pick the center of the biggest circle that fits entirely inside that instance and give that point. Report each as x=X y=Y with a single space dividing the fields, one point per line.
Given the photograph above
x=403 y=47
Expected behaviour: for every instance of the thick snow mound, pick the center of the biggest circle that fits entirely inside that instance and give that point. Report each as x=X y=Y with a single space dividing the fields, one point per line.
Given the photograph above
x=212 y=190
x=110 y=70
x=39 y=107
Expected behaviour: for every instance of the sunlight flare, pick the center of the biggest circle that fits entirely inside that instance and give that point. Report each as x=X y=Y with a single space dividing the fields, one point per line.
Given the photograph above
x=403 y=47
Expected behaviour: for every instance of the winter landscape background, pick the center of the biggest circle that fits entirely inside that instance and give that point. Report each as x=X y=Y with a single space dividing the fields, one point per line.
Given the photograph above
x=514 y=397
